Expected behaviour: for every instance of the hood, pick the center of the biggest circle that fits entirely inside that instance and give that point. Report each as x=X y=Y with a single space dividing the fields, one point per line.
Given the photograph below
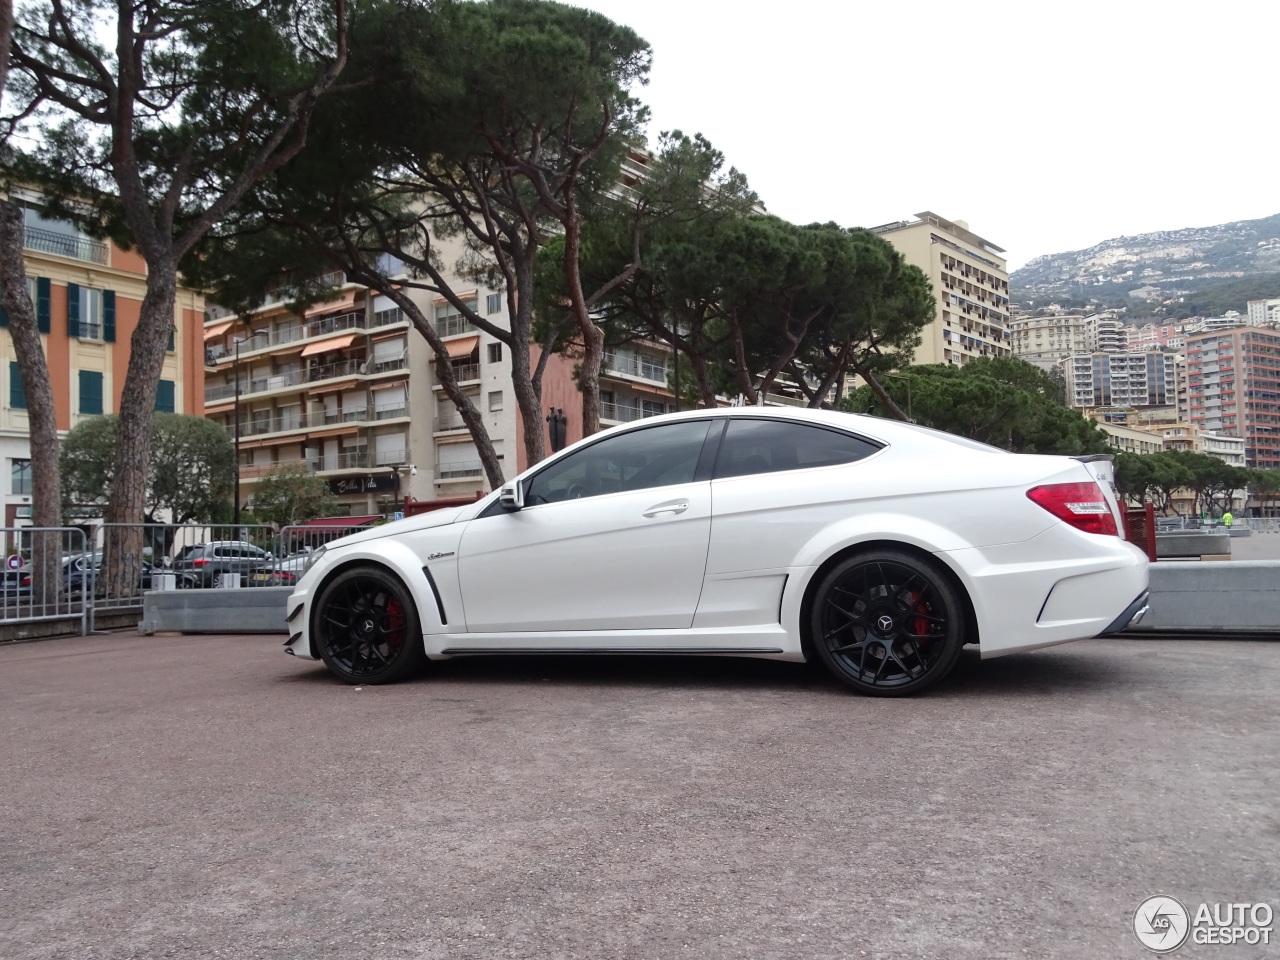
x=424 y=521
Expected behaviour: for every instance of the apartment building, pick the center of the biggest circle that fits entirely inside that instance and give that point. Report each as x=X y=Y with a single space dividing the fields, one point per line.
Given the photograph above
x=1233 y=388
x=1190 y=438
x=88 y=298
x=1121 y=380
x=970 y=277
x=1264 y=312
x=348 y=389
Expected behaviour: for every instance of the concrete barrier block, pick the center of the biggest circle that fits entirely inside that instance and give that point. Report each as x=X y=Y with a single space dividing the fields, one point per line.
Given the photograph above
x=256 y=610
x=1191 y=543
x=1214 y=597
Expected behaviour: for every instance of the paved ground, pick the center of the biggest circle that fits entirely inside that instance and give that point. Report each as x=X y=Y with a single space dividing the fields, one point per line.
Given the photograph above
x=1260 y=546
x=209 y=797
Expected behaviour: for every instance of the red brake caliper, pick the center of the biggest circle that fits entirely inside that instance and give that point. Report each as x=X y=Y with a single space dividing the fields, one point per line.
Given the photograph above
x=919 y=625
x=395 y=622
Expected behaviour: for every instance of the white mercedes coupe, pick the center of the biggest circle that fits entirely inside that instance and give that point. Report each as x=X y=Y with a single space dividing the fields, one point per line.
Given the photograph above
x=878 y=548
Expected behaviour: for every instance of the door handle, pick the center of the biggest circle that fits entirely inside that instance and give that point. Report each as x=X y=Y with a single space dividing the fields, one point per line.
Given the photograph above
x=671 y=506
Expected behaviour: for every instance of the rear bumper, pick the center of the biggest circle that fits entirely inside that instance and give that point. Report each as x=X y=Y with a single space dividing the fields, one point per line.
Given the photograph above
x=1131 y=616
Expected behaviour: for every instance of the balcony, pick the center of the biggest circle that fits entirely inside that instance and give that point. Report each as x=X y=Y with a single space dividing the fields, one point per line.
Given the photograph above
x=643 y=367
x=340 y=461
x=385 y=366
x=384 y=318
x=463 y=470
x=463 y=372
x=333 y=371
x=451 y=421
x=278 y=381
x=66 y=245
x=328 y=325
x=390 y=411
x=451 y=326
x=261 y=425
x=620 y=412
x=390 y=458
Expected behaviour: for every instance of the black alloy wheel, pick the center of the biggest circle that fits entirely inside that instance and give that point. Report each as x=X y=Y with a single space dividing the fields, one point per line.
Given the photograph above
x=887 y=623
x=366 y=627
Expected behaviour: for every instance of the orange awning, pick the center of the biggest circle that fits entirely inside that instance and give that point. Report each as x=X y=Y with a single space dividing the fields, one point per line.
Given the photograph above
x=462 y=347
x=328 y=386
x=217 y=330
x=333 y=306
x=335 y=432
x=333 y=343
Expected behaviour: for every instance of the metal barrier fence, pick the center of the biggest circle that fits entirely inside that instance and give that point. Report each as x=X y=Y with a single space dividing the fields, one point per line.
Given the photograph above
x=108 y=567
x=44 y=576
x=1178 y=522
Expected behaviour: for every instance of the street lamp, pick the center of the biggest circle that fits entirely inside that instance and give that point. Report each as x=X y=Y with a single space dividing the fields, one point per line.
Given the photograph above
x=235 y=416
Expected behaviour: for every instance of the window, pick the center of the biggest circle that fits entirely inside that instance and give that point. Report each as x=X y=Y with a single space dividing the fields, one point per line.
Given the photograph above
x=493 y=303
x=450 y=322
x=636 y=460
x=17 y=392
x=495 y=401
x=86 y=313
x=767 y=446
x=38 y=288
x=20 y=475
x=90 y=392
x=164 y=396
x=495 y=353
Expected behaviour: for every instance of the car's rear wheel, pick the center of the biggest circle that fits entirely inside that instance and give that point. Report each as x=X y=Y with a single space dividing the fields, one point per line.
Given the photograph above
x=366 y=627
x=887 y=623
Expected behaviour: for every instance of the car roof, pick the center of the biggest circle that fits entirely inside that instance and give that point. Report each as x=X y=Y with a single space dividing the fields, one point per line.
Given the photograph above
x=876 y=428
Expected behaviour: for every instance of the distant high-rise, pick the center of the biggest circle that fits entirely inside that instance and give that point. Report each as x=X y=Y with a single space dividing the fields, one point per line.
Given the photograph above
x=1264 y=311
x=971 y=279
x=1121 y=380
x=1233 y=388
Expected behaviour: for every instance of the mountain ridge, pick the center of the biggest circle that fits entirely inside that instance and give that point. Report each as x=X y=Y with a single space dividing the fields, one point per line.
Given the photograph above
x=1167 y=265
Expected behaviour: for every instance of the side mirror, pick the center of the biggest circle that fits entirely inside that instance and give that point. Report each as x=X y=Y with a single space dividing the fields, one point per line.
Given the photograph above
x=511 y=496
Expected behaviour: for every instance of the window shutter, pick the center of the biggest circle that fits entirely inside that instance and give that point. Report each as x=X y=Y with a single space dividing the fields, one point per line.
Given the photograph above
x=108 y=316
x=90 y=392
x=73 y=310
x=44 y=298
x=4 y=317
x=164 y=396
x=17 y=392
x=172 y=330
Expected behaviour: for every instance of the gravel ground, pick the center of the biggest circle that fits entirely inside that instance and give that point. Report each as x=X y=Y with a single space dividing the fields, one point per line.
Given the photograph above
x=210 y=797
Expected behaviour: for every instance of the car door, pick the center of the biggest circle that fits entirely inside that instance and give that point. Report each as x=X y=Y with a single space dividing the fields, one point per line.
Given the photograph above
x=613 y=536
x=774 y=488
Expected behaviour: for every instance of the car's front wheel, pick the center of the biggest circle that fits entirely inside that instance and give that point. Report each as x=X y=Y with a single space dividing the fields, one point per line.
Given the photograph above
x=887 y=623
x=366 y=627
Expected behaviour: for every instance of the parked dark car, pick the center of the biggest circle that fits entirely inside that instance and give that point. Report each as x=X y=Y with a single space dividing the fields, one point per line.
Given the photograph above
x=79 y=572
x=212 y=564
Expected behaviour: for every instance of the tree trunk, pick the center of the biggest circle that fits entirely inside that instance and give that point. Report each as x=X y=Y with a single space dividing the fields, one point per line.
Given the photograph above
x=46 y=509
x=126 y=507
x=882 y=395
x=592 y=335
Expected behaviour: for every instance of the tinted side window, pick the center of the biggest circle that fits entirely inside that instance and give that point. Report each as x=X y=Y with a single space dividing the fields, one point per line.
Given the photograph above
x=767 y=446
x=653 y=457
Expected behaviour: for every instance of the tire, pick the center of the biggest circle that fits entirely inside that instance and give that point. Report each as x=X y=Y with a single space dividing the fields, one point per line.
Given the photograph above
x=366 y=627
x=887 y=623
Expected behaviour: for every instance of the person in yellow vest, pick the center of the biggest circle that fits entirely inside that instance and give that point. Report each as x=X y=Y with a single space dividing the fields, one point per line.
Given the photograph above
x=1227 y=519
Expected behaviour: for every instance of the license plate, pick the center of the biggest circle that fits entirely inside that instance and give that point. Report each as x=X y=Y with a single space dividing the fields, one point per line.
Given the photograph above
x=263 y=577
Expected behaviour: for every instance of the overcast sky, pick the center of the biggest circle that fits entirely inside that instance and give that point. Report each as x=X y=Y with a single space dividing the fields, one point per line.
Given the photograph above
x=1048 y=127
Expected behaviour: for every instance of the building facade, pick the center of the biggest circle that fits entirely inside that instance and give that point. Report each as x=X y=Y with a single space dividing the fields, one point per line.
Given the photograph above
x=1264 y=312
x=1233 y=388
x=348 y=389
x=1121 y=380
x=88 y=298
x=970 y=277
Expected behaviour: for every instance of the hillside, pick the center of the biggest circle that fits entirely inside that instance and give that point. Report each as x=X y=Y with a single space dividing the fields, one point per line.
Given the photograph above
x=1199 y=269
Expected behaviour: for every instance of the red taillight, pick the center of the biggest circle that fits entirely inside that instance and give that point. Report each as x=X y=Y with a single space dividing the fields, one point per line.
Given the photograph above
x=1080 y=504
x=199 y=562
x=26 y=581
